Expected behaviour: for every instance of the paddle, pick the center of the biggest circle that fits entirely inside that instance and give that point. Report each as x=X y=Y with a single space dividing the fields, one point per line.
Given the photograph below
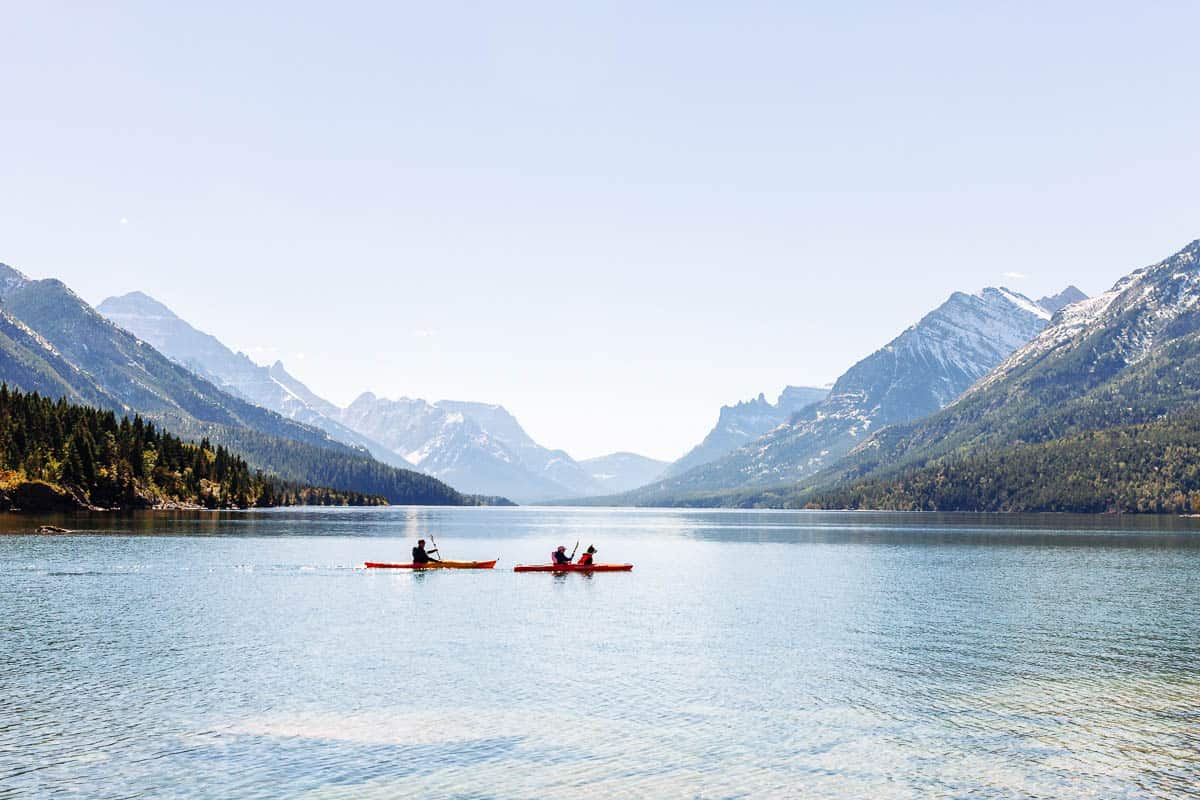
x=573 y=551
x=433 y=542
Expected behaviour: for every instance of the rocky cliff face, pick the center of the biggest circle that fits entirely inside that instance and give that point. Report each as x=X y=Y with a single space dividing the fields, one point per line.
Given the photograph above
x=746 y=421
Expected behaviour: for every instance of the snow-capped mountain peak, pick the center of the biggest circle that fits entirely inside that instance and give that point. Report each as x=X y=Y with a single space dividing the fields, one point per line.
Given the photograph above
x=479 y=447
x=1137 y=311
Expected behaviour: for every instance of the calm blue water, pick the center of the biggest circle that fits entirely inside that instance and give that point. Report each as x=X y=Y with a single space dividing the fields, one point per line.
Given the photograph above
x=747 y=655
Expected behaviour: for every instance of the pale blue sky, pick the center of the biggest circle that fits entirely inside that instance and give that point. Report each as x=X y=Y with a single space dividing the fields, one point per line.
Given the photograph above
x=611 y=218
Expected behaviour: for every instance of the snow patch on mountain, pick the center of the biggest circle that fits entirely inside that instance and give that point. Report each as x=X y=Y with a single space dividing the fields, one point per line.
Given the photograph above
x=1138 y=309
x=1021 y=301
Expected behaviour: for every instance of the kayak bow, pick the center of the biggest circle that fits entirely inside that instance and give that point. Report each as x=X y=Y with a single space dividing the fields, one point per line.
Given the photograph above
x=435 y=565
x=572 y=568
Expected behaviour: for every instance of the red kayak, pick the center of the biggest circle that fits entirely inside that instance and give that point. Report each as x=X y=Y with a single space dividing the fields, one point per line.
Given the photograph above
x=435 y=565
x=572 y=568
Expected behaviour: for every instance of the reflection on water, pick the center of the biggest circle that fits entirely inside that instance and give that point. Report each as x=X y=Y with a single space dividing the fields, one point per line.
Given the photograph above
x=749 y=654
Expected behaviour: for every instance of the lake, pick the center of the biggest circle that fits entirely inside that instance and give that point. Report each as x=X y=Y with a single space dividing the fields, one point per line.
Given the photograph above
x=748 y=654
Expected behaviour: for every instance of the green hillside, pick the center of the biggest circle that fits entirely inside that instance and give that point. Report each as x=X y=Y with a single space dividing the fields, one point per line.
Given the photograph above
x=57 y=455
x=1152 y=468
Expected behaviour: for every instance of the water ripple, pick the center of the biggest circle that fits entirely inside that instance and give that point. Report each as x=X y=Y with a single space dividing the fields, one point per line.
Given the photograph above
x=747 y=656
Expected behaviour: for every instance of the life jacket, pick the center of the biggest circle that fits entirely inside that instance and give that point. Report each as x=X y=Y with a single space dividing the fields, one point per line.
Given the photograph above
x=585 y=559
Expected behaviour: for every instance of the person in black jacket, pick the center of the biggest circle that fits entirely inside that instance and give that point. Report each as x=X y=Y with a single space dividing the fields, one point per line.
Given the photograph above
x=421 y=555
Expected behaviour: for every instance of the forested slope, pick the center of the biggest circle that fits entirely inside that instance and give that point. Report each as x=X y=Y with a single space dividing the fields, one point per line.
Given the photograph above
x=57 y=455
x=1150 y=468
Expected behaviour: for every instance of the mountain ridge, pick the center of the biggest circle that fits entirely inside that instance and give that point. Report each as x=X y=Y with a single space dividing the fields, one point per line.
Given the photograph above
x=1056 y=302
x=924 y=368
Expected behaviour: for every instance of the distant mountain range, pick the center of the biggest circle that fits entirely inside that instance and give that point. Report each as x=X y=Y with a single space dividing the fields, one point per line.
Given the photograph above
x=992 y=401
x=620 y=472
x=471 y=445
x=920 y=371
x=476 y=447
x=54 y=343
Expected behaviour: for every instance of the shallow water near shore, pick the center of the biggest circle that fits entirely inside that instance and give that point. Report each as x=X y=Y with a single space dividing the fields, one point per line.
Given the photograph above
x=749 y=654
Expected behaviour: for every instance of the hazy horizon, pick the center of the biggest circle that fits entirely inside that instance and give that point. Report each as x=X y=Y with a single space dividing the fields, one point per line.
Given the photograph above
x=611 y=221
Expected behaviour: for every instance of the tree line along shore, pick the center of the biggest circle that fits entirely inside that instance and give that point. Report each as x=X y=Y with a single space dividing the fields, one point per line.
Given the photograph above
x=57 y=456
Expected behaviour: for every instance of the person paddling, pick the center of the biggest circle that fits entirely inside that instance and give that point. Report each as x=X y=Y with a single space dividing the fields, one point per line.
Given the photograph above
x=420 y=555
x=560 y=556
x=586 y=559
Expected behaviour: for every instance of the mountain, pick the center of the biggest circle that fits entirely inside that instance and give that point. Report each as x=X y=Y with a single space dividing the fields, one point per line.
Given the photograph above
x=1057 y=302
x=153 y=322
x=10 y=280
x=620 y=472
x=305 y=395
x=745 y=422
x=132 y=371
x=1128 y=357
x=919 y=372
x=52 y=341
x=554 y=465
x=272 y=388
x=29 y=361
x=476 y=446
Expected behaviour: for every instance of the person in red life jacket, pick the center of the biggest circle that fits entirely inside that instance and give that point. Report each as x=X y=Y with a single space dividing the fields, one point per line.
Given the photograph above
x=420 y=555
x=561 y=559
x=586 y=559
